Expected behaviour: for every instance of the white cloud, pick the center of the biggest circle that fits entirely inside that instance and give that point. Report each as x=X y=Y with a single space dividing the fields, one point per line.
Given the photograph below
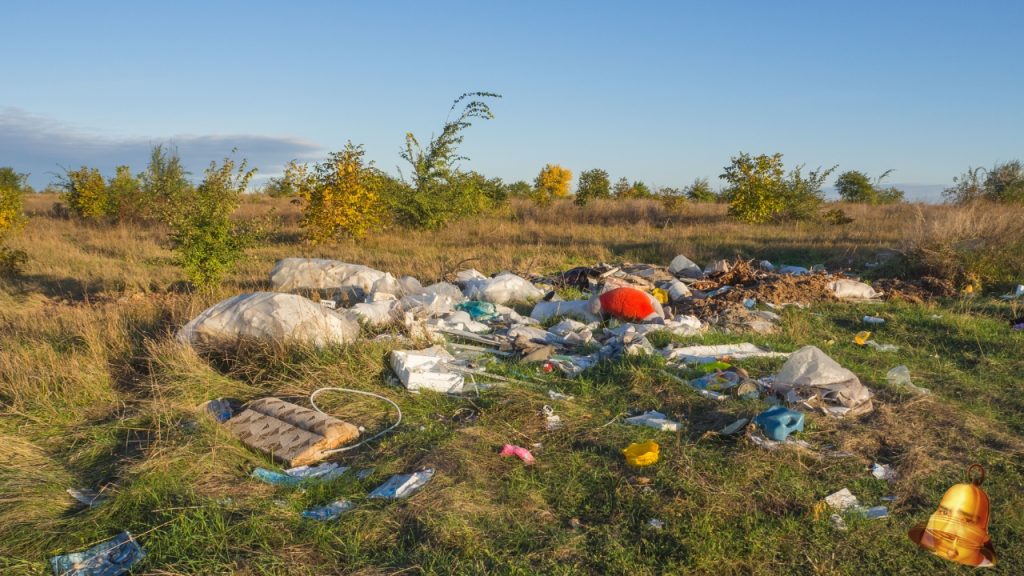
x=42 y=146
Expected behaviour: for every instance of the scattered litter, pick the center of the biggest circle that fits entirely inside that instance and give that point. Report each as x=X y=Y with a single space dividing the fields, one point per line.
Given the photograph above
x=705 y=393
x=111 y=558
x=759 y=439
x=684 y=267
x=654 y=419
x=294 y=476
x=883 y=472
x=842 y=500
x=330 y=511
x=861 y=338
x=1018 y=292
x=846 y=289
x=269 y=317
x=792 y=270
x=504 y=288
x=899 y=378
x=823 y=384
x=749 y=303
x=873 y=320
x=552 y=421
x=403 y=485
x=734 y=427
x=837 y=522
x=710 y=353
x=290 y=433
x=641 y=454
x=779 y=422
x=86 y=496
x=882 y=347
x=631 y=304
x=219 y=408
x=578 y=309
x=656 y=524
x=427 y=370
x=477 y=310
x=558 y=396
x=364 y=473
x=519 y=452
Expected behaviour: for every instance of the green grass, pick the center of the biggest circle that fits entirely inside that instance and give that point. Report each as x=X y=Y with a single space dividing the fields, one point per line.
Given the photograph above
x=99 y=395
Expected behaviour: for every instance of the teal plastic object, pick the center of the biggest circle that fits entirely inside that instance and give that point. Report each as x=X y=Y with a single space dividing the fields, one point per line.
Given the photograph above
x=779 y=422
x=478 y=310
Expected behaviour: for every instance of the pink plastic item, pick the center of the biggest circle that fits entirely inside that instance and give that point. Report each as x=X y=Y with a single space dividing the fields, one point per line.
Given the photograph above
x=518 y=451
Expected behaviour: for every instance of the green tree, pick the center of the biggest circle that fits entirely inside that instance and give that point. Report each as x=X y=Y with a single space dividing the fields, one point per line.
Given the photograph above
x=203 y=235
x=1004 y=182
x=11 y=180
x=433 y=196
x=124 y=192
x=700 y=191
x=592 y=185
x=856 y=186
x=340 y=195
x=85 y=192
x=759 y=189
x=518 y=189
x=164 y=184
x=622 y=189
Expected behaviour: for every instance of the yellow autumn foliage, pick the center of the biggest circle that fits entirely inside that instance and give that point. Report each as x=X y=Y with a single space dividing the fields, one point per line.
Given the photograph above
x=552 y=182
x=339 y=194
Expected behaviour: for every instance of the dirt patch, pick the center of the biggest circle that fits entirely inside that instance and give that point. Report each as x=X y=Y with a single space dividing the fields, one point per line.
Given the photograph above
x=746 y=281
x=916 y=291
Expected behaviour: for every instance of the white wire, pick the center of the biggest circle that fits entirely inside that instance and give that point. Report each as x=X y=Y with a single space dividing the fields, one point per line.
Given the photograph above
x=312 y=401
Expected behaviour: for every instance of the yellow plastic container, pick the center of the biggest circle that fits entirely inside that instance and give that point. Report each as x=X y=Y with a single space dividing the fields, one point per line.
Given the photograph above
x=861 y=338
x=643 y=454
x=660 y=295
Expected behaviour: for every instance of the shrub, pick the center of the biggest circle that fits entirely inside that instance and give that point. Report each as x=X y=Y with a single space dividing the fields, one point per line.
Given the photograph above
x=124 y=193
x=205 y=239
x=164 y=185
x=700 y=191
x=552 y=182
x=856 y=186
x=436 y=192
x=339 y=194
x=672 y=199
x=85 y=192
x=593 y=184
x=1003 y=183
x=11 y=218
x=518 y=189
x=760 y=191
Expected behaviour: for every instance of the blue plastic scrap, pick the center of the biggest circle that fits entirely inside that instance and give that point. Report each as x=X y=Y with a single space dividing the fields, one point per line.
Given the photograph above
x=478 y=310
x=402 y=485
x=294 y=476
x=328 y=512
x=110 y=558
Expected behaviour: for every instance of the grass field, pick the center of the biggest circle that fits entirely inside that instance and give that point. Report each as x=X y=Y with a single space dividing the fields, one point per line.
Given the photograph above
x=95 y=393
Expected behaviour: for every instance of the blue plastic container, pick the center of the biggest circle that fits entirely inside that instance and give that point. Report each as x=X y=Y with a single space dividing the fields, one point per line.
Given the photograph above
x=779 y=422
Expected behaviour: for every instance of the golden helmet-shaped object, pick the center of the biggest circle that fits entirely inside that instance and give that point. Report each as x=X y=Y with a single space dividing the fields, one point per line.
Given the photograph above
x=958 y=530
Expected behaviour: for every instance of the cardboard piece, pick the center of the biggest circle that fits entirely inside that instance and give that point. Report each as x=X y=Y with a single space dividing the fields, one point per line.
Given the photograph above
x=291 y=434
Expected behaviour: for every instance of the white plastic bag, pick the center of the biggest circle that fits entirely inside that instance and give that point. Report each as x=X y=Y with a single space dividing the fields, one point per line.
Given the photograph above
x=577 y=309
x=502 y=289
x=683 y=266
x=269 y=317
x=809 y=370
x=851 y=289
x=292 y=274
x=426 y=370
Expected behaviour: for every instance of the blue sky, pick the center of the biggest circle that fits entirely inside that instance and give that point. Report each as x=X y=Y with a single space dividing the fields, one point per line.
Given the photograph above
x=662 y=92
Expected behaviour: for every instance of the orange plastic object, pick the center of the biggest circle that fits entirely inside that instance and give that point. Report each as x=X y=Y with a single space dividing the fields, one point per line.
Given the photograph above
x=861 y=338
x=627 y=303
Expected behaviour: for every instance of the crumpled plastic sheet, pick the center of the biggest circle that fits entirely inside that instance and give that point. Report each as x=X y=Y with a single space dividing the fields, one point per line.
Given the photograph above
x=654 y=419
x=330 y=511
x=403 y=485
x=111 y=558
x=294 y=476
